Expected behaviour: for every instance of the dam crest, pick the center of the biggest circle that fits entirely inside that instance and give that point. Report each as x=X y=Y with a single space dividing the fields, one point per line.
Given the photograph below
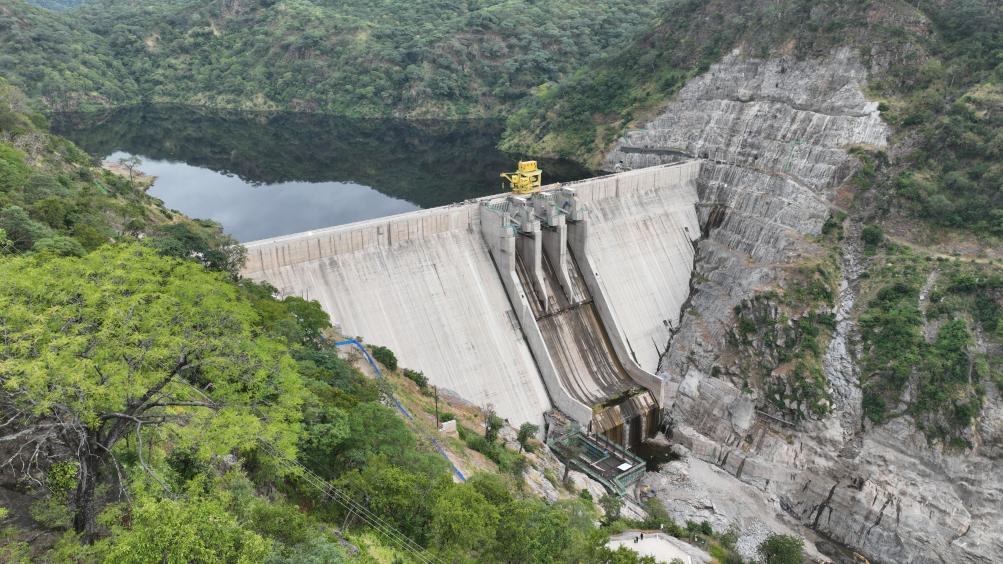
x=561 y=299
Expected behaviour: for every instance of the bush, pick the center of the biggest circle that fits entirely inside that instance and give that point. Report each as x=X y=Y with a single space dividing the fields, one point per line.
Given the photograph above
x=506 y=459
x=872 y=236
x=416 y=377
x=384 y=356
x=782 y=549
x=59 y=245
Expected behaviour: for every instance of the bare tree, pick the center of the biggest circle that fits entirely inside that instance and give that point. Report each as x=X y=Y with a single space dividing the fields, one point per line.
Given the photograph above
x=130 y=163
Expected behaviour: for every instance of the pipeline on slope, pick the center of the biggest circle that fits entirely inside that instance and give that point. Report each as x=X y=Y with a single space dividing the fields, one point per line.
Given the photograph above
x=400 y=407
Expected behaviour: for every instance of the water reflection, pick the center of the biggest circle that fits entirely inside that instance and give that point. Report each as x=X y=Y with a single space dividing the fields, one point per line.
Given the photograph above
x=264 y=175
x=249 y=212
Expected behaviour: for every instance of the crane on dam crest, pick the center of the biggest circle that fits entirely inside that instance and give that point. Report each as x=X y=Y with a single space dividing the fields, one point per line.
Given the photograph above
x=528 y=179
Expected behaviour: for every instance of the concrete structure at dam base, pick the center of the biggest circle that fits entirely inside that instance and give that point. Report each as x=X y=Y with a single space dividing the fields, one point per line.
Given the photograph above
x=561 y=299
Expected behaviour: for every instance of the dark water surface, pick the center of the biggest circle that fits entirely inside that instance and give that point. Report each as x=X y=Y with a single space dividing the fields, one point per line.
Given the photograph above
x=264 y=175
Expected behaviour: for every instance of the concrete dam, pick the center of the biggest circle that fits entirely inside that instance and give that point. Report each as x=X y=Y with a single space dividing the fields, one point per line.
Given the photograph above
x=563 y=299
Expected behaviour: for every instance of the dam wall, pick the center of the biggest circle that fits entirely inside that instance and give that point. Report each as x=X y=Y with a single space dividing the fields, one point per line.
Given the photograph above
x=641 y=226
x=424 y=284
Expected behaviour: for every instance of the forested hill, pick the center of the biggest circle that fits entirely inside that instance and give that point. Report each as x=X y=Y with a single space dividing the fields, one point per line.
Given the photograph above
x=935 y=68
x=59 y=65
x=356 y=57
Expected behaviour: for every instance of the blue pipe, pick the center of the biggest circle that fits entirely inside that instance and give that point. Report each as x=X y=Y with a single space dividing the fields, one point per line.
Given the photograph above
x=400 y=407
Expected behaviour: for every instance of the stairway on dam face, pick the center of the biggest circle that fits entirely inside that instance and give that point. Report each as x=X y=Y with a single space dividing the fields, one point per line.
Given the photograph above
x=425 y=284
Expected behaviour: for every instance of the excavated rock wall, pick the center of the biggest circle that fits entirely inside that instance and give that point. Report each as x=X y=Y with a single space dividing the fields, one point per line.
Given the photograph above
x=775 y=136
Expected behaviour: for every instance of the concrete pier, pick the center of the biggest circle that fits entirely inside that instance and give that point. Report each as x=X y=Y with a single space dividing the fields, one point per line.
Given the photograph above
x=424 y=284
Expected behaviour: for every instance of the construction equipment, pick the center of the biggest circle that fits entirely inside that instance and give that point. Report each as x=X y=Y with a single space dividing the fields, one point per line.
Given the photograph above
x=527 y=180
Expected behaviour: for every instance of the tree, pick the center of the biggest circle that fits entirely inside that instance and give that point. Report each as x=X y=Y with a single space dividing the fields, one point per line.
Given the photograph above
x=526 y=432
x=316 y=550
x=375 y=430
x=782 y=549
x=404 y=498
x=22 y=231
x=611 y=506
x=106 y=346
x=493 y=487
x=203 y=241
x=872 y=236
x=6 y=246
x=59 y=245
x=492 y=424
x=570 y=451
x=463 y=519
x=168 y=530
x=384 y=356
x=130 y=163
x=531 y=531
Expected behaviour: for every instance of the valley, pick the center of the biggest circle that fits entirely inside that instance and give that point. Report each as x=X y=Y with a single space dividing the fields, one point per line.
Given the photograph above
x=765 y=256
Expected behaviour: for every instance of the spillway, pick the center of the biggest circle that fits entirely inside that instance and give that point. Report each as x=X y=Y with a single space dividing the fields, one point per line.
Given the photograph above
x=435 y=286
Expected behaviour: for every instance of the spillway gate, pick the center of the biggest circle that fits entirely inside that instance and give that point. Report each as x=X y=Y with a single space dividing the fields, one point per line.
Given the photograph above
x=529 y=241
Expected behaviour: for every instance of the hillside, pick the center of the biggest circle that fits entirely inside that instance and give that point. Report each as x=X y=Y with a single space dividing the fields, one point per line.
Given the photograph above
x=935 y=69
x=458 y=58
x=56 y=63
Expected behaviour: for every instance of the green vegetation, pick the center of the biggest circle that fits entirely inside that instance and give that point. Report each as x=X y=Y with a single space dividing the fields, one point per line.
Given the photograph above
x=526 y=432
x=583 y=115
x=358 y=58
x=872 y=237
x=384 y=356
x=157 y=407
x=417 y=377
x=782 y=549
x=59 y=65
x=947 y=100
x=57 y=4
x=120 y=338
x=781 y=337
x=933 y=355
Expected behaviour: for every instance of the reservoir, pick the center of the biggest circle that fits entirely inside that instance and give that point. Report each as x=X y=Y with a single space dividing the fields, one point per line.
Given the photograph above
x=265 y=175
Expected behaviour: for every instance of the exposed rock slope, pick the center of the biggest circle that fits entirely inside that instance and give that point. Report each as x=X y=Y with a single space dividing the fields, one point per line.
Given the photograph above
x=775 y=136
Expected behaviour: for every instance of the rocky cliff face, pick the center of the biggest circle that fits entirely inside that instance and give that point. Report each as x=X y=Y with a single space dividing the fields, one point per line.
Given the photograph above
x=775 y=136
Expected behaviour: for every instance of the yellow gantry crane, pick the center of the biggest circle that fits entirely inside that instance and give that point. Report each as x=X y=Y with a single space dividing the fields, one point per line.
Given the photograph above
x=527 y=180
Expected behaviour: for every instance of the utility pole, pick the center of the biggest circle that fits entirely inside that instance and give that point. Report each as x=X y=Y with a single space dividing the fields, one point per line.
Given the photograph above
x=435 y=389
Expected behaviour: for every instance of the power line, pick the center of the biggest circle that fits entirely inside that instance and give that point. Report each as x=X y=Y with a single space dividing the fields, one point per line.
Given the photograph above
x=346 y=501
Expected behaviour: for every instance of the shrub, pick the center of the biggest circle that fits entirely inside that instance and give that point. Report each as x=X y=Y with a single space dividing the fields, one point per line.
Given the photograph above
x=59 y=245
x=384 y=356
x=416 y=377
x=782 y=549
x=872 y=236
